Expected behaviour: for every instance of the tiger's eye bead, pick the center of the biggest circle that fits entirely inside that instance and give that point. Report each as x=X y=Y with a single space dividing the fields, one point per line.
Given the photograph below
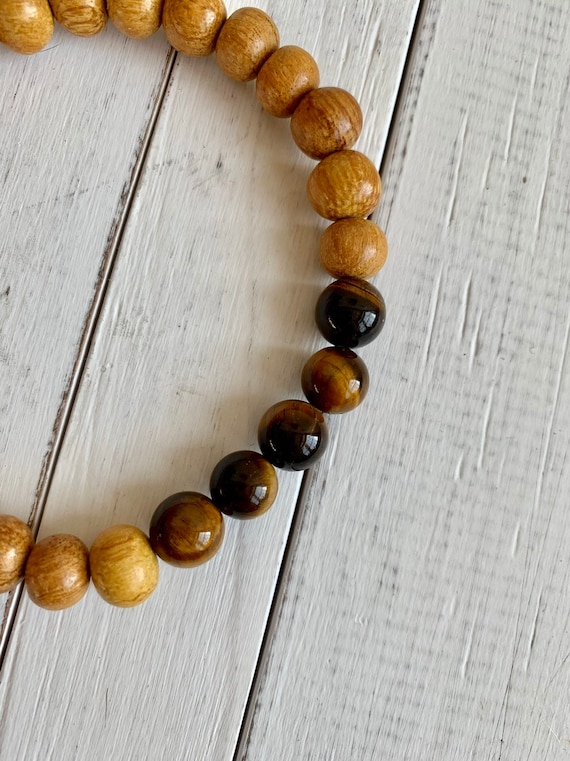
x=26 y=26
x=285 y=78
x=186 y=529
x=344 y=184
x=293 y=435
x=124 y=568
x=246 y=41
x=335 y=380
x=16 y=541
x=57 y=572
x=192 y=26
x=328 y=119
x=350 y=312
x=243 y=484
x=353 y=248
x=135 y=18
x=81 y=17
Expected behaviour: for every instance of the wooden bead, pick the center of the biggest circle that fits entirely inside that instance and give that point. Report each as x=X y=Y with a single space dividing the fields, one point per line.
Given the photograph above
x=26 y=26
x=344 y=184
x=328 y=119
x=124 y=567
x=84 y=18
x=293 y=435
x=192 y=26
x=350 y=312
x=285 y=78
x=16 y=541
x=186 y=529
x=335 y=380
x=353 y=248
x=246 y=41
x=57 y=572
x=135 y=18
x=243 y=484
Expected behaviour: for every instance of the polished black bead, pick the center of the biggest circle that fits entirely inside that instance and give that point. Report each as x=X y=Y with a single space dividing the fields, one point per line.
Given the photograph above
x=293 y=435
x=350 y=312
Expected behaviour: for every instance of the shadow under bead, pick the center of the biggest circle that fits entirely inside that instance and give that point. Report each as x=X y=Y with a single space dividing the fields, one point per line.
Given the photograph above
x=350 y=312
x=335 y=380
x=293 y=435
x=244 y=484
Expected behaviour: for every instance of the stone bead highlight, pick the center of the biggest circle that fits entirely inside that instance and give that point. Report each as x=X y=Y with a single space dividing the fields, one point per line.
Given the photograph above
x=246 y=41
x=16 y=541
x=335 y=380
x=186 y=529
x=350 y=312
x=328 y=119
x=83 y=18
x=344 y=184
x=285 y=78
x=124 y=568
x=293 y=435
x=353 y=248
x=26 y=26
x=243 y=484
x=136 y=18
x=192 y=26
x=57 y=572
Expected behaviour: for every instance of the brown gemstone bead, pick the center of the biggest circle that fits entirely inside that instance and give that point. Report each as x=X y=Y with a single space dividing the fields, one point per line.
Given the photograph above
x=335 y=380
x=135 y=18
x=26 y=26
x=350 y=312
x=243 y=484
x=57 y=572
x=246 y=41
x=285 y=78
x=353 y=248
x=16 y=541
x=328 y=119
x=124 y=567
x=293 y=435
x=344 y=184
x=186 y=529
x=192 y=26
x=81 y=17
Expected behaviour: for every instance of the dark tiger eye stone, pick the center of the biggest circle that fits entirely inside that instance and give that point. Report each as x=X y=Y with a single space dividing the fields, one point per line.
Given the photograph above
x=350 y=312
x=335 y=380
x=186 y=529
x=243 y=484
x=293 y=435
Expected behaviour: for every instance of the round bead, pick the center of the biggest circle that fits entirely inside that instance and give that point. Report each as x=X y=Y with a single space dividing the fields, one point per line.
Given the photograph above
x=328 y=119
x=135 y=18
x=243 y=484
x=186 y=529
x=124 y=568
x=344 y=184
x=335 y=380
x=350 y=312
x=81 y=17
x=353 y=248
x=16 y=541
x=26 y=26
x=246 y=41
x=285 y=78
x=192 y=26
x=57 y=572
x=293 y=435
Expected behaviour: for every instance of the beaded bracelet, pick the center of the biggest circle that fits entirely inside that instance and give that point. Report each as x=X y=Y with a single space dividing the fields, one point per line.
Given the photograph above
x=187 y=528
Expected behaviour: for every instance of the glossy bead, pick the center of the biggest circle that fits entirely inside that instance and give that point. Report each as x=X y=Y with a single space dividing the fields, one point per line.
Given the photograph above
x=353 y=248
x=57 y=572
x=243 y=484
x=135 y=18
x=124 y=568
x=26 y=26
x=293 y=435
x=335 y=380
x=246 y=41
x=285 y=78
x=192 y=26
x=186 y=529
x=350 y=312
x=81 y=17
x=344 y=184
x=16 y=541
x=328 y=119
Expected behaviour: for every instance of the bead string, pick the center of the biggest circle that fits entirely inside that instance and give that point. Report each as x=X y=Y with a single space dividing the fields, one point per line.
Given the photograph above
x=187 y=528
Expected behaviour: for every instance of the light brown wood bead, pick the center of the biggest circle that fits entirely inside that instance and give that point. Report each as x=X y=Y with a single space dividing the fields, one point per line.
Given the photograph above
x=344 y=184
x=57 y=572
x=328 y=119
x=246 y=41
x=285 y=78
x=136 y=18
x=353 y=248
x=16 y=541
x=26 y=26
x=124 y=567
x=84 y=18
x=192 y=26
